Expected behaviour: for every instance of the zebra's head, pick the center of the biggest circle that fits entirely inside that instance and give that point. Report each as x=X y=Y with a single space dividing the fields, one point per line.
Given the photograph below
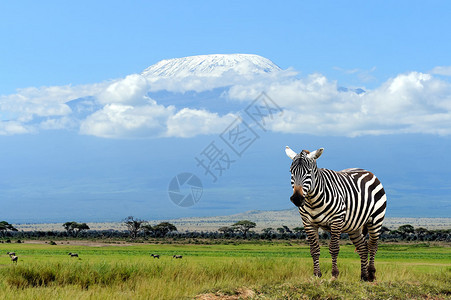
x=303 y=171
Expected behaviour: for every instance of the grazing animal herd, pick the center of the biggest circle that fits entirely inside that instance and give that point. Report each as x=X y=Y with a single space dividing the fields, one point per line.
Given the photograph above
x=174 y=256
x=15 y=258
x=351 y=201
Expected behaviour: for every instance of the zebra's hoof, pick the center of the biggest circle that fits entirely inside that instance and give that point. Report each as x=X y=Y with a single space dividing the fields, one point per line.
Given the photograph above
x=371 y=274
x=335 y=273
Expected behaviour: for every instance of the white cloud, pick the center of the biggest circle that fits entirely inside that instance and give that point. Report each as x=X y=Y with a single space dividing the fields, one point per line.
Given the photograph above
x=129 y=112
x=13 y=127
x=125 y=111
x=148 y=121
x=126 y=121
x=130 y=90
x=408 y=103
x=61 y=123
x=205 y=83
x=191 y=122
x=441 y=70
x=30 y=102
x=22 y=112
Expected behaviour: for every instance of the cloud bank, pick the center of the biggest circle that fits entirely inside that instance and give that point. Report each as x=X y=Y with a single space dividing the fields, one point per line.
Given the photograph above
x=413 y=102
x=409 y=103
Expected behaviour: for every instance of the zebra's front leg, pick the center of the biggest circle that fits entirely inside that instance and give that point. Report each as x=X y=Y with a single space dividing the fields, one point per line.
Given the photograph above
x=334 y=245
x=312 y=235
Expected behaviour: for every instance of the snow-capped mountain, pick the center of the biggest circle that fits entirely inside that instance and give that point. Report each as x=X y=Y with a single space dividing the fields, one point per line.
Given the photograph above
x=213 y=65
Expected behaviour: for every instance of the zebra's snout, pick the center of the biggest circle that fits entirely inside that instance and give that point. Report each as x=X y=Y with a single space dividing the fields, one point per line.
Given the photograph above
x=297 y=199
x=298 y=196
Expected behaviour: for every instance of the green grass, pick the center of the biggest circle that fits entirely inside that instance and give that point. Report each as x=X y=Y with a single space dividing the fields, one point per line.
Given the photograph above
x=271 y=271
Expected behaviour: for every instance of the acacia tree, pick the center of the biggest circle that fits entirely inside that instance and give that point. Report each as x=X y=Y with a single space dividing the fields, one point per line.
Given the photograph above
x=69 y=227
x=74 y=228
x=405 y=230
x=244 y=226
x=164 y=228
x=80 y=227
x=159 y=230
x=134 y=226
x=5 y=226
x=287 y=229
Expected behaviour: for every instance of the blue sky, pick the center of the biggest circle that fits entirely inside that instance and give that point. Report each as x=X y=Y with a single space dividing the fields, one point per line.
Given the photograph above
x=56 y=43
x=93 y=167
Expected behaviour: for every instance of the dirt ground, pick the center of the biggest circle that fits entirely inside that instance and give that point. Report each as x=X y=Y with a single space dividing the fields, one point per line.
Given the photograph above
x=242 y=293
x=81 y=243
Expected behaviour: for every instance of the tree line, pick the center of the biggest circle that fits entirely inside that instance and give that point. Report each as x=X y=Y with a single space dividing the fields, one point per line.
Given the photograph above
x=142 y=230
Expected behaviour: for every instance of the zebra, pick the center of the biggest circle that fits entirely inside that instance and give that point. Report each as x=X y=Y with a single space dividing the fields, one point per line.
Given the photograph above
x=350 y=201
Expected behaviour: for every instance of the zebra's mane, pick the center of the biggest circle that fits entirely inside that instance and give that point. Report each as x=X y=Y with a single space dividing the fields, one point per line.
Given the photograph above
x=298 y=158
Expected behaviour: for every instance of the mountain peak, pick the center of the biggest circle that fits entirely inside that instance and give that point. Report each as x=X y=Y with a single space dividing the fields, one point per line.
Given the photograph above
x=211 y=65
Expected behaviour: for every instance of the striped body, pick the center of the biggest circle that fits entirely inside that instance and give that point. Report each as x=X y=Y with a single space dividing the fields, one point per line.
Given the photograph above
x=356 y=195
x=351 y=201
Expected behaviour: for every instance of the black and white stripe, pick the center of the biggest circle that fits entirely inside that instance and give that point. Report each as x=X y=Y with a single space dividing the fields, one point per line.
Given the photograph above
x=351 y=201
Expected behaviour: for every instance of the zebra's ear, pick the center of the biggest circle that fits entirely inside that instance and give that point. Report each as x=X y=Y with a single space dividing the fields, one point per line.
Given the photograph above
x=290 y=153
x=316 y=154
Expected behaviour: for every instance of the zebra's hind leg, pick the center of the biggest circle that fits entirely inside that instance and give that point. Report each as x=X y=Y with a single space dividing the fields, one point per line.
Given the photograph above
x=312 y=235
x=358 y=239
x=374 y=233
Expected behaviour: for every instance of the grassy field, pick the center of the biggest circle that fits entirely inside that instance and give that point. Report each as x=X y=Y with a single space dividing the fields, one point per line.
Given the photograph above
x=234 y=271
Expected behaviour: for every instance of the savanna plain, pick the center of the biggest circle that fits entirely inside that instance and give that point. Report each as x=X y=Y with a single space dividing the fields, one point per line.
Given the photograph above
x=218 y=270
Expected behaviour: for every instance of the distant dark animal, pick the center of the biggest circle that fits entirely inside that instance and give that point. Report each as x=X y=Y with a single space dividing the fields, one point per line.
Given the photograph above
x=73 y=254
x=14 y=258
x=177 y=256
x=155 y=256
x=11 y=253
